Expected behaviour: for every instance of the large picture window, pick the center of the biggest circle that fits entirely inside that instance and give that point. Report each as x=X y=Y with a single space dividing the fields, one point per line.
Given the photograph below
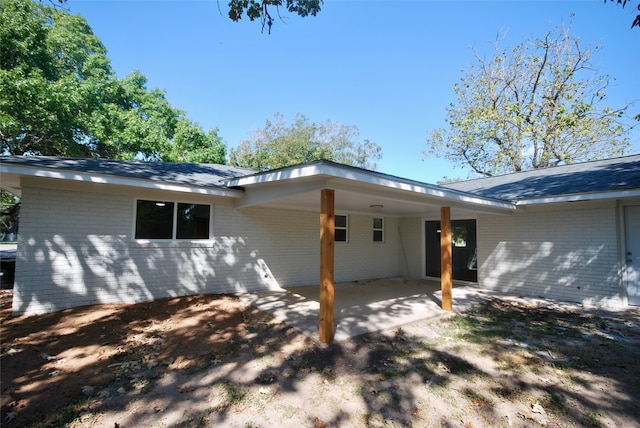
x=170 y=220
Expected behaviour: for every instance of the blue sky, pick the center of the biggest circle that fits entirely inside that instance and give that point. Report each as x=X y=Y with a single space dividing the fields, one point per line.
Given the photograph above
x=387 y=67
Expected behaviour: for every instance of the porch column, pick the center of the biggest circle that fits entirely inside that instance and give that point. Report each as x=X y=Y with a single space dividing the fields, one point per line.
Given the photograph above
x=327 y=265
x=446 y=269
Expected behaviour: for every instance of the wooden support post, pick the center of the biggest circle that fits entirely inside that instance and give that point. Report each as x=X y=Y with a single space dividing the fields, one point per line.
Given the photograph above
x=446 y=269
x=327 y=241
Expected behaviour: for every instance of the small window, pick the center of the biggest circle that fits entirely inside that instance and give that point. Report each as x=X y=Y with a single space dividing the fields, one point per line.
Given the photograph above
x=169 y=220
x=340 y=228
x=378 y=229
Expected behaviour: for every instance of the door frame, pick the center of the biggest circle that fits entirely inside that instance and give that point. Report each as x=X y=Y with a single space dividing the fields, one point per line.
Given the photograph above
x=424 y=248
x=624 y=277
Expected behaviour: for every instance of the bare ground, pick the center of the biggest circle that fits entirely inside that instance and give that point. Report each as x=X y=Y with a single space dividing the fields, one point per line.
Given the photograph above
x=212 y=360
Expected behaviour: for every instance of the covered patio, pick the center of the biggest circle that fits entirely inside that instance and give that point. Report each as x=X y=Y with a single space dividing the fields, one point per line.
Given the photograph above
x=332 y=188
x=362 y=307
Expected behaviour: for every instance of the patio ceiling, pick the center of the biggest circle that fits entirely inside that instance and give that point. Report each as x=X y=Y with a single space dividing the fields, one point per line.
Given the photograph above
x=358 y=191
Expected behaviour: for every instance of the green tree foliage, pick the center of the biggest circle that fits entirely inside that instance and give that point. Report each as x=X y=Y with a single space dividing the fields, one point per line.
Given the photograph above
x=191 y=144
x=9 y=213
x=59 y=96
x=534 y=105
x=264 y=9
x=279 y=145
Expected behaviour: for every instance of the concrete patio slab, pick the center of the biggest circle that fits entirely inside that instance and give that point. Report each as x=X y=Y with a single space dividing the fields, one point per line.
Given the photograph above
x=363 y=306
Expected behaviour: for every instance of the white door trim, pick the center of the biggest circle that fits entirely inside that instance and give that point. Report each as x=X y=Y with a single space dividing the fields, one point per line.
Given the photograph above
x=631 y=253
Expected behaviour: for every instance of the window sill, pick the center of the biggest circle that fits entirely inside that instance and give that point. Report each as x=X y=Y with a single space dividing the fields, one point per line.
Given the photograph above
x=171 y=243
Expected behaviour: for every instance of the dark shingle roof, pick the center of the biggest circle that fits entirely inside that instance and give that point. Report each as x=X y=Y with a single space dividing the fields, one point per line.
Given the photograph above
x=615 y=174
x=210 y=175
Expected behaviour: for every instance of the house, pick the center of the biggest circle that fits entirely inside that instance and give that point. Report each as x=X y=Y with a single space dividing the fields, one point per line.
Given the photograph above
x=103 y=231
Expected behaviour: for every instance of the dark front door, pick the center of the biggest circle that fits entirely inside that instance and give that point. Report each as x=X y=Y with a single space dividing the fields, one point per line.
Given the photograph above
x=464 y=255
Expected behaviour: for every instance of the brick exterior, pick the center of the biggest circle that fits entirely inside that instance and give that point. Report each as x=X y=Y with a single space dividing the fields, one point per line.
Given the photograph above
x=412 y=238
x=567 y=252
x=76 y=248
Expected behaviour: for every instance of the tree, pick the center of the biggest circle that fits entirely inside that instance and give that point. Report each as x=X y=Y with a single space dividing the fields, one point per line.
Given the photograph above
x=9 y=214
x=279 y=145
x=534 y=105
x=262 y=9
x=191 y=144
x=59 y=95
x=636 y=20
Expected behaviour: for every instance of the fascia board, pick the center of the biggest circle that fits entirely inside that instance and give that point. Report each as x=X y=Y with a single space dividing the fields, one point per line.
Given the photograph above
x=298 y=172
x=275 y=192
x=79 y=176
x=581 y=197
x=417 y=198
x=334 y=172
x=436 y=192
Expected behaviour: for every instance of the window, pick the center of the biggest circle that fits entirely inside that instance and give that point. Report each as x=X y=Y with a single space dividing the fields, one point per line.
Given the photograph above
x=378 y=229
x=154 y=220
x=192 y=221
x=341 y=226
x=170 y=220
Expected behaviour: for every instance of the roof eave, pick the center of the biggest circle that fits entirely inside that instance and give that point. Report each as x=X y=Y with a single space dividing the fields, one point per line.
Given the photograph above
x=80 y=176
x=330 y=170
x=580 y=197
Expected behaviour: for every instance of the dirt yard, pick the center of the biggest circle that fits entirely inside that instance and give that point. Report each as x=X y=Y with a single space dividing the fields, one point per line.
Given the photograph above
x=214 y=361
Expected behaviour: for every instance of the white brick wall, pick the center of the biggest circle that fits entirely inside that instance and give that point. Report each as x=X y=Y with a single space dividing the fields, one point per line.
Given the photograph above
x=564 y=253
x=411 y=233
x=76 y=248
x=361 y=258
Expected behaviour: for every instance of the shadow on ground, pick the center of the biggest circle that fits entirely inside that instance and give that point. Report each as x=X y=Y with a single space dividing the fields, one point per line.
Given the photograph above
x=216 y=360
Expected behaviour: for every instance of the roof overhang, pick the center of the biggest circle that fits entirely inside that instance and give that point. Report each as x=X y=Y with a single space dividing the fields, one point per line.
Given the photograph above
x=13 y=173
x=581 y=197
x=357 y=190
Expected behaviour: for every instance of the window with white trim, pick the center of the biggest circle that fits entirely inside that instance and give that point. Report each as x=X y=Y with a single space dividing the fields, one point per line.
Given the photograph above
x=378 y=229
x=341 y=228
x=172 y=220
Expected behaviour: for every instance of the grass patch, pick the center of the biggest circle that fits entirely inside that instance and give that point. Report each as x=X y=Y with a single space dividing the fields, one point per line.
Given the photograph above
x=505 y=390
x=267 y=377
x=65 y=416
x=592 y=419
x=477 y=399
x=287 y=411
x=554 y=403
x=145 y=383
x=234 y=394
x=394 y=371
